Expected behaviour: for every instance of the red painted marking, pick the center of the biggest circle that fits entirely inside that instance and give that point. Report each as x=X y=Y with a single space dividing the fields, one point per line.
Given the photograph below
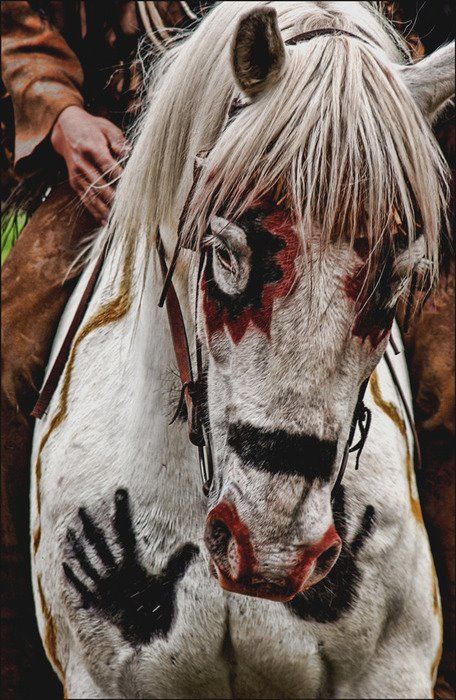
x=249 y=580
x=226 y=512
x=367 y=324
x=301 y=575
x=278 y=223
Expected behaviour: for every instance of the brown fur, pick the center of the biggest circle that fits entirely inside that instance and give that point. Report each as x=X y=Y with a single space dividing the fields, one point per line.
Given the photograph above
x=430 y=347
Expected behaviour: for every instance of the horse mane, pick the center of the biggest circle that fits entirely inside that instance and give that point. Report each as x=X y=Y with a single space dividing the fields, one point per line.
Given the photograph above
x=339 y=134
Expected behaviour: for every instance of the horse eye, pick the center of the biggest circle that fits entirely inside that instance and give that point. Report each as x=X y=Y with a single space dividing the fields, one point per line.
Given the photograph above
x=224 y=258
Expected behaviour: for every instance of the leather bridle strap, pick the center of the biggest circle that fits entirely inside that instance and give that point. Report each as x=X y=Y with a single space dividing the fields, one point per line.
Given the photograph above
x=322 y=31
x=197 y=167
x=50 y=385
x=191 y=387
x=181 y=348
x=362 y=418
x=334 y=31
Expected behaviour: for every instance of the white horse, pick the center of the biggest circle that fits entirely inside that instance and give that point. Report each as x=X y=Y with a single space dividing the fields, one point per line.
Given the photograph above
x=304 y=216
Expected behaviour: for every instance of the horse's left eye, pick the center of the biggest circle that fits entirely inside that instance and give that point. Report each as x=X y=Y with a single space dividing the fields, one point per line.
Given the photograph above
x=224 y=258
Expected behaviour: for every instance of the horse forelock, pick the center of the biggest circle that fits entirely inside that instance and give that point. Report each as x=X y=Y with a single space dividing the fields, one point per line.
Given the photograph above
x=344 y=162
x=339 y=134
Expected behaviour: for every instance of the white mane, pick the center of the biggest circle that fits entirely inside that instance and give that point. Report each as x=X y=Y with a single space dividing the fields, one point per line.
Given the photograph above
x=340 y=133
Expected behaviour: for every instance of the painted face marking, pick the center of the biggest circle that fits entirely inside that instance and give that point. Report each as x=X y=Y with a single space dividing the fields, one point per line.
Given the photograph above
x=142 y=606
x=280 y=452
x=372 y=298
x=336 y=594
x=274 y=246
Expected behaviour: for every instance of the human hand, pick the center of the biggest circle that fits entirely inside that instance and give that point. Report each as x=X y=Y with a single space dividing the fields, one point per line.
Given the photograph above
x=91 y=147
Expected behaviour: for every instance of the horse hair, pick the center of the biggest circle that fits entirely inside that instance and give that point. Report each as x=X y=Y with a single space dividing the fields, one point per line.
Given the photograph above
x=339 y=132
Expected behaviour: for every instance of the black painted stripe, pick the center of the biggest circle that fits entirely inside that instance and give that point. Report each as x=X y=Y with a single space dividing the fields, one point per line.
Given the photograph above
x=280 y=452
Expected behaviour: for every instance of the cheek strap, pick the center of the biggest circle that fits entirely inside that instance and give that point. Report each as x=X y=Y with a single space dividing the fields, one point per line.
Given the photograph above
x=362 y=417
x=193 y=388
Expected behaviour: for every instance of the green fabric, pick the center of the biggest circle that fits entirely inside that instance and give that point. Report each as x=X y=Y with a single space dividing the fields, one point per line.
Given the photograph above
x=12 y=225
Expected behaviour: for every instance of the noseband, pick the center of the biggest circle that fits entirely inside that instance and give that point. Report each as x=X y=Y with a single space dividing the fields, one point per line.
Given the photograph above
x=193 y=393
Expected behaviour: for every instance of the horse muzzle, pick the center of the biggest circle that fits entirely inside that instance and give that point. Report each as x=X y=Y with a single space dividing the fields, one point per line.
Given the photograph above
x=240 y=569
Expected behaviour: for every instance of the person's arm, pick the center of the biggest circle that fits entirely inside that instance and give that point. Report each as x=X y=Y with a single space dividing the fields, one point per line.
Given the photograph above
x=42 y=75
x=44 y=79
x=91 y=147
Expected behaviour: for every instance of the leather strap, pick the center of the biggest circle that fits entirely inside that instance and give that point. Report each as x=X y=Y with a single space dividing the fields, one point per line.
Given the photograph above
x=169 y=273
x=192 y=389
x=361 y=418
x=50 y=385
x=181 y=347
x=323 y=31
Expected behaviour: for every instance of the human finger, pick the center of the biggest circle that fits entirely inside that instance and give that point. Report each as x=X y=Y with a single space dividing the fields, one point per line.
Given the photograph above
x=96 y=206
x=118 y=144
x=79 y=185
x=96 y=186
x=108 y=168
x=98 y=209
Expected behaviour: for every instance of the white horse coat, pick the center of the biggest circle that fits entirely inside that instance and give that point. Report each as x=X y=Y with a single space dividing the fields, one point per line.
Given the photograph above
x=125 y=600
x=220 y=644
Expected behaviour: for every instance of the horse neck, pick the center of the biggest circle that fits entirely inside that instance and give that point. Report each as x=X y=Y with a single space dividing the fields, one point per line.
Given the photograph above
x=163 y=459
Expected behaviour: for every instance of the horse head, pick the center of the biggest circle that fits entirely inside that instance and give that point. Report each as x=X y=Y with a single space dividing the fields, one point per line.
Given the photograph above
x=293 y=327
x=318 y=201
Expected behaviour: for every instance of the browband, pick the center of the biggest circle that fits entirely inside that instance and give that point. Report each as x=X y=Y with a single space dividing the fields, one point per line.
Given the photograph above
x=305 y=36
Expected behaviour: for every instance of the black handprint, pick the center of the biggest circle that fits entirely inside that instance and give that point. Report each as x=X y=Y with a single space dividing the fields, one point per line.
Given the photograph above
x=142 y=606
x=335 y=594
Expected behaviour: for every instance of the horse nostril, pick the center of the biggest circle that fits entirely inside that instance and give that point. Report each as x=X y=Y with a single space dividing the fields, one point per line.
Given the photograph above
x=327 y=559
x=228 y=541
x=218 y=539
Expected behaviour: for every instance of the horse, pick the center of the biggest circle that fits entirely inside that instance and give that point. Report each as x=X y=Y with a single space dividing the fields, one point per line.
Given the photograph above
x=284 y=190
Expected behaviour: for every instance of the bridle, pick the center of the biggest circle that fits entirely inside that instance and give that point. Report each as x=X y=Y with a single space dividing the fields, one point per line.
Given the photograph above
x=193 y=388
x=193 y=392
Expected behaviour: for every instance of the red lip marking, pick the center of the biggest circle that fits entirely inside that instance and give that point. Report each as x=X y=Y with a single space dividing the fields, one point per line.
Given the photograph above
x=304 y=575
x=246 y=562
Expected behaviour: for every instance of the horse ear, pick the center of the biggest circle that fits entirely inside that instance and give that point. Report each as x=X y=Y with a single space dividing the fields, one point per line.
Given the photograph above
x=431 y=80
x=257 y=51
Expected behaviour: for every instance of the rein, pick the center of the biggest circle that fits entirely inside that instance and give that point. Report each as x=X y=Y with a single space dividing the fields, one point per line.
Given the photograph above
x=192 y=393
x=50 y=385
